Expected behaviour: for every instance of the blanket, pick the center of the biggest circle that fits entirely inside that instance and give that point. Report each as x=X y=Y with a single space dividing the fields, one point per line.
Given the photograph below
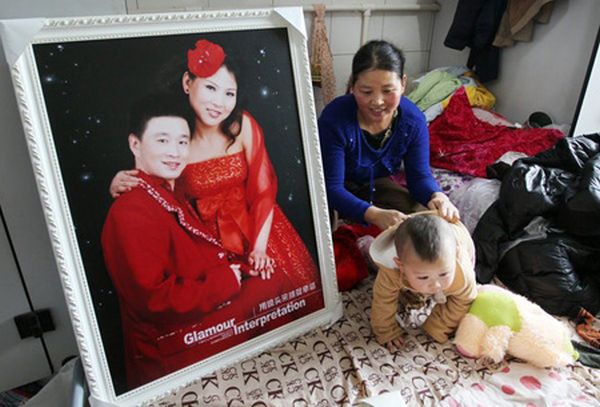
x=461 y=142
x=342 y=364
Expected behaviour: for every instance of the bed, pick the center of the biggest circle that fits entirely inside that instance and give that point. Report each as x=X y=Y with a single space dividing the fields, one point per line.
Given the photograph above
x=342 y=365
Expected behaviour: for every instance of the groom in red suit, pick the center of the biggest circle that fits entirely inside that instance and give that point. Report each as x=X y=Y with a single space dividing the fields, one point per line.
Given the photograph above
x=180 y=292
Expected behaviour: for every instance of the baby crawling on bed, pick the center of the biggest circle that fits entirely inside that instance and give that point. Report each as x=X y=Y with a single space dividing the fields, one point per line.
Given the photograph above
x=424 y=255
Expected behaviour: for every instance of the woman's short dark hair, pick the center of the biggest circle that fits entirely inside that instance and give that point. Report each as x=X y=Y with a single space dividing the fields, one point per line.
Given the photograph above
x=377 y=54
x=154 y=105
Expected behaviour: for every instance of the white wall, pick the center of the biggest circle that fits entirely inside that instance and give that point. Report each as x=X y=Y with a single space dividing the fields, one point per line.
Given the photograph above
x=18 y=194
x=588 y=120
x=410 y=30
x=546 y=74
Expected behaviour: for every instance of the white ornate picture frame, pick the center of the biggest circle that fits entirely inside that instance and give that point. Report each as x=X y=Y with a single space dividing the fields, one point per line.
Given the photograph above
x=74 y=80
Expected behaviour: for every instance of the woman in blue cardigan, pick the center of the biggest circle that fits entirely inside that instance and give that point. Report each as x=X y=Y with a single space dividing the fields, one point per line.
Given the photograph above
x=371 y=133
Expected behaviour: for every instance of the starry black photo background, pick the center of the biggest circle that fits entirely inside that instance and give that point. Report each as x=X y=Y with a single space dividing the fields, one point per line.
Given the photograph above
x=88 y=87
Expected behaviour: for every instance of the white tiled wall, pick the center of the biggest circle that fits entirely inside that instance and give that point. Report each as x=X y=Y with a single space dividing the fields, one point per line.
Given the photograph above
x=409 y=30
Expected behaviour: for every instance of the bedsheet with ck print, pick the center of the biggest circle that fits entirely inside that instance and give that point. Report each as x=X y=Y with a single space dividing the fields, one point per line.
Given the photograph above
x=343 y=364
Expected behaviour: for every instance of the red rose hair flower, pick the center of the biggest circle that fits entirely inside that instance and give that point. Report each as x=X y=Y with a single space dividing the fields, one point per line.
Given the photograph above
x=205 y=59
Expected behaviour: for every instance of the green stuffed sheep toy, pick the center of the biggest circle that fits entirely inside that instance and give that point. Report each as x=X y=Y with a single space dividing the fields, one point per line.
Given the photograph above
x=500 y=322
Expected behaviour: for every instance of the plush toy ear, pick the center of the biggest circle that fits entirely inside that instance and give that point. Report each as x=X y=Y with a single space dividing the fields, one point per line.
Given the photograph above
x=469 y=335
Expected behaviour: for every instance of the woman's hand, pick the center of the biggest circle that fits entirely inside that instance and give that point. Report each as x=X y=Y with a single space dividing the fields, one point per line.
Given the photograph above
x=261 y=264
x=383 y=218
x=123 y=182
x=441 y=203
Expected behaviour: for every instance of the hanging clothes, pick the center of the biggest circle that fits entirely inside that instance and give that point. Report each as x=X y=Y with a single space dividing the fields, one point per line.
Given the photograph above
x=475 y=25
x=321 y=60
x=519 y=18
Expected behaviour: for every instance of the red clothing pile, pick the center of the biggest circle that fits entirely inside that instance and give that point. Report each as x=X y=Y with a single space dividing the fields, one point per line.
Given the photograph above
x=461 y=142
x=350 y=264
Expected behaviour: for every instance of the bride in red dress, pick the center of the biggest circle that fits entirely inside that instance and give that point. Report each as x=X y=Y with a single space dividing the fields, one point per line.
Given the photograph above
x=230 y=180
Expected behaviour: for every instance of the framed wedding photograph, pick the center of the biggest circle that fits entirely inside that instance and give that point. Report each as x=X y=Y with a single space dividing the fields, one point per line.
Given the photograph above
x=178 y=165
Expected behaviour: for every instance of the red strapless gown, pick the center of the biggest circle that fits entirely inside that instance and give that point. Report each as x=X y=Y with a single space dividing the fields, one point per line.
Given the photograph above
x=217 y=187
